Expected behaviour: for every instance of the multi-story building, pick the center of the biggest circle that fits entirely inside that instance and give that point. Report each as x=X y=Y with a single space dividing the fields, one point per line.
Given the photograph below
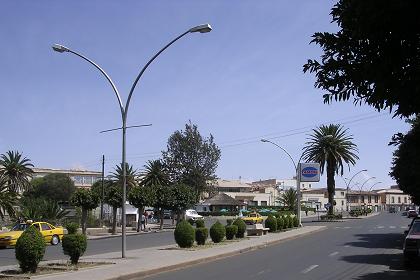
x=81 y=178
x=364 y=199
x=318 y=199
x=394 y=198
x=244 y=192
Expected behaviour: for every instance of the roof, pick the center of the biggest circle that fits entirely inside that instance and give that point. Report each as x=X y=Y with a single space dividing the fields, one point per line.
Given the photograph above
x=66 y=171
x=221 y=183
x=222 y=199
x=321 y=190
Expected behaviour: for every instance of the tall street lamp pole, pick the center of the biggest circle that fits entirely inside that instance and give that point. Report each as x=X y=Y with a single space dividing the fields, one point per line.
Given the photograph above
x=297 y=176
x=348 y=187
x=203 y=28
x=361 y=188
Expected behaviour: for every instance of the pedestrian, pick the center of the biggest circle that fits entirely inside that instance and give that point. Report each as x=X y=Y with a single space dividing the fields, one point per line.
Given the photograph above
x=306 y=212
x=145 y=217
x=143 y=223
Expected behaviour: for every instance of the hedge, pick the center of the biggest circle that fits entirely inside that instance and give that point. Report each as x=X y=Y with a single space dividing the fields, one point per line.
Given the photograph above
x=231 y=231
x=241 y=228
x=30 y=249
x=201 y=235
x=217 y=232
x=184 y=234
x=271 y=223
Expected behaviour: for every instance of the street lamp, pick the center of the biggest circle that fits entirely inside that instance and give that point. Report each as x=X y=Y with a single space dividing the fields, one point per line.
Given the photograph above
x=348 y=187
x=297 y=176
x=361 y=188
x=203 y=28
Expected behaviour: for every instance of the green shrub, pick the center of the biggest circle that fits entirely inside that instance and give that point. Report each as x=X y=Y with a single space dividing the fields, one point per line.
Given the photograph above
x=217 y=232
x=30 y=249
x=74 y=245
x=201 y=235
x=295 y=221
x=241 y=228
x=191 y=221
x=72 y=228
x=280 y=223
x=184 y=234
x=229 y=222
x=290 y=222
x=231 y=231
x=199 y=223
x=271 y=223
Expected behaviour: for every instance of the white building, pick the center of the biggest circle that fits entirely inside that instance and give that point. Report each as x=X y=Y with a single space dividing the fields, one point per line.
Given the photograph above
x=318 y=198
x=81 y=178
x=394 y=198
x=244 y=192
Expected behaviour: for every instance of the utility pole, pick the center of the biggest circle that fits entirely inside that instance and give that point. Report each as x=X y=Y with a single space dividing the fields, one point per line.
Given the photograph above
x=103 y=191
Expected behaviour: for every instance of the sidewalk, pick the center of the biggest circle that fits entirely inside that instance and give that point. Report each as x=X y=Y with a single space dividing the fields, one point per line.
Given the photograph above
x=148 y=261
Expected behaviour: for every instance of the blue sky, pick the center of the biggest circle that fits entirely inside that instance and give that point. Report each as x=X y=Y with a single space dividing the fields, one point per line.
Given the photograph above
x=241 y=82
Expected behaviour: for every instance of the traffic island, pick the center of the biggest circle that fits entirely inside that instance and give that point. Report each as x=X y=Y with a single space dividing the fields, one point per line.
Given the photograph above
x=149 y=261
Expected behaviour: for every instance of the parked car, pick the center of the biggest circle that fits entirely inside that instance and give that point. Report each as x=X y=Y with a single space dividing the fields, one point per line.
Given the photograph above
x=192 y=214
x=167 y=214
x=253 y=218
x=51 y=234
x=412 y=241
x=392 y=210
x=412 y=214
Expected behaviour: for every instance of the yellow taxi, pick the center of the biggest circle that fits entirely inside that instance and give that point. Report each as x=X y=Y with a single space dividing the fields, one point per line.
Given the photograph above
x=50 y=233
x=253 y=218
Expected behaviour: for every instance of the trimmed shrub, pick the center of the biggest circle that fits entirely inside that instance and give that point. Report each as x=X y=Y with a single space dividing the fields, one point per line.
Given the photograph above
x=30 y=249
x=74 y=245
x=217 y=232
x=241 y=228
x=184 y=234
x=229 y=222
x=231 y=231
x=280 y=223
x=199 y=223
x=191 y=221
x=295 y=221
x=72 y=228
x=271 y=223
x=201 y=235
x=290 y=221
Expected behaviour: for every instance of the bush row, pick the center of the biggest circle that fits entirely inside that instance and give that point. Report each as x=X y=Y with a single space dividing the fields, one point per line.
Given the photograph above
x=281 y=222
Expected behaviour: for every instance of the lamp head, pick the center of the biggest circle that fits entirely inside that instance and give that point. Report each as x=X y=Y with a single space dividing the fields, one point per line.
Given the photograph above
x=60 y=48
x=264 y=140
x=202 y=28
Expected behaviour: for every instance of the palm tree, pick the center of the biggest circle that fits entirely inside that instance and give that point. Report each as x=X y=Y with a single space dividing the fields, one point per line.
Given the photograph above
x=130 y=175
x=331 y=147
x=155 y=174
x=16 y=171
x=8 y=199
x=289 y=199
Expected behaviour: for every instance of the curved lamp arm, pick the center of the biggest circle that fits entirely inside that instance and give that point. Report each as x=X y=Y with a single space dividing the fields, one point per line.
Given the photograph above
x=203 y=28
x=61 y=48
x=284 y=150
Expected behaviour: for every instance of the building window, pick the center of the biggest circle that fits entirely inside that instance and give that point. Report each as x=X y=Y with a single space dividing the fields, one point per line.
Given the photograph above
x=399 y=199
x=263 y=203
x=303 y=185
x=363 y=198
x=342 y=203
x=405 y=199
x=392 y=199
x=376 y=199
x=369 y=199
x=310 y=185
x=342 y=193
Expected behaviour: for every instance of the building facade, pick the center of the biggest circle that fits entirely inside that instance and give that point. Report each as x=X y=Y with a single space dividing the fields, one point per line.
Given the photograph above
x=81 y=178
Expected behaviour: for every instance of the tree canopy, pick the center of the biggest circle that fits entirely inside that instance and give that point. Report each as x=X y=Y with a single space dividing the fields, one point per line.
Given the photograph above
x=191 y=159
x=406 y=161
x=374 y=57
x=15 y=170
x=55 y=187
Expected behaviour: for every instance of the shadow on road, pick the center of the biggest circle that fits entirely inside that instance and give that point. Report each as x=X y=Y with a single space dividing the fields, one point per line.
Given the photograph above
x=379 y=240
x=386 y=275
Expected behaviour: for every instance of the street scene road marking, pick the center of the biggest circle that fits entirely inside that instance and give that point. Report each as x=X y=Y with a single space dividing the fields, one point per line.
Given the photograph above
x=333 y=254
x=309 y=268
x=402 y=227
x=392 y=226
x=347 y=246
x=381 y=227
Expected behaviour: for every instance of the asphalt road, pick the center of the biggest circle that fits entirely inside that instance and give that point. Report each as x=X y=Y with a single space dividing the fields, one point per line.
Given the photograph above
x=357 y=249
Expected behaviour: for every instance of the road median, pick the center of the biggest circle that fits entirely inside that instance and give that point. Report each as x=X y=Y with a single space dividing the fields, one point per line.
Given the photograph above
x=149 y=261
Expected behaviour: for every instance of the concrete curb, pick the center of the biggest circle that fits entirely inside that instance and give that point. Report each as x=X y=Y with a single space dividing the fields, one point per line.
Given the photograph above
x=150 y=272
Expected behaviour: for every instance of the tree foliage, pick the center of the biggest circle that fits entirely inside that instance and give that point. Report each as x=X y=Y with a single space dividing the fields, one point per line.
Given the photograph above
x=332 y=147
x=406 y=161
x=289 y=199
x=374 y=57
x=15 y=170
x=191 y=159
x=181 y=198
x=8 y=199
x=87 y=200
x=155 y=173
x=140 y=197
x=39 y=209
x=55 y=187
